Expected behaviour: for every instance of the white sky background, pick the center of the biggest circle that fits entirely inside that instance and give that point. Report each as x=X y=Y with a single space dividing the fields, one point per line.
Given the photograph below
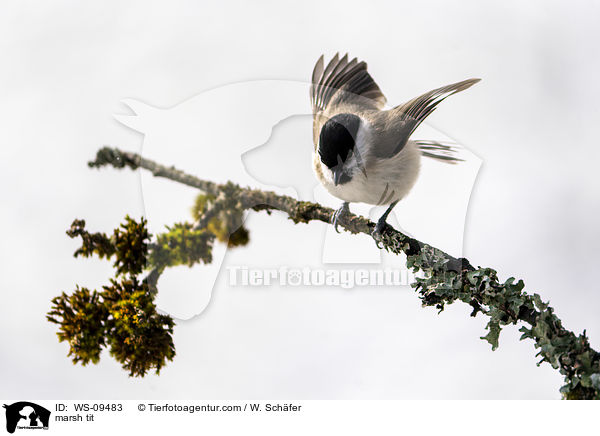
x=533 y=121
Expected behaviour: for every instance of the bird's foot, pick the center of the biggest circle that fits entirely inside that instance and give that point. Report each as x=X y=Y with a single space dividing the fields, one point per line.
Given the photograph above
x=377 y=233
x=344 y=210
x=380 y=226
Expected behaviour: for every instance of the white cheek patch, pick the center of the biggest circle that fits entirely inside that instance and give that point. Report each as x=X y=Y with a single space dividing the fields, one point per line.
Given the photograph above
x=327 y=173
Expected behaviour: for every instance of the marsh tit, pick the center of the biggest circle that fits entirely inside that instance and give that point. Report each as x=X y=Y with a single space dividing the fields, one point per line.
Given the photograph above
x=362 y=152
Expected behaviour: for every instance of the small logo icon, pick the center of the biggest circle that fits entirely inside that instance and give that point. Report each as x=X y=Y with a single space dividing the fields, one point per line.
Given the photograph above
x=26 y=415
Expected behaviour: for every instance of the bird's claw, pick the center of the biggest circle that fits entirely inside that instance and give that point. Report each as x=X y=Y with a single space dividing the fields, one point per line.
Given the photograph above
x=381 y=225
x=338 y=214
x=377 y=233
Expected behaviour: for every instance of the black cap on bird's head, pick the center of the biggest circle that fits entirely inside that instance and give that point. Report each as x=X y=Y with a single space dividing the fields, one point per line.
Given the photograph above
x=336 y=143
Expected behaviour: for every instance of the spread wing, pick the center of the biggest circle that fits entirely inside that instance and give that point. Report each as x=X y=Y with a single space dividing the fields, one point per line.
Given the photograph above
x=343 y=81
x=408 y=116
x=340 y=86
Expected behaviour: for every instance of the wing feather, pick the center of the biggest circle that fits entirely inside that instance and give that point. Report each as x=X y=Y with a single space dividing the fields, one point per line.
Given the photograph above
x=410 y=115
x=343 y=81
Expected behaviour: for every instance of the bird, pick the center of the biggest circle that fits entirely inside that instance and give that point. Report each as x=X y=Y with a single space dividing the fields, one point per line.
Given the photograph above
x=362 y=151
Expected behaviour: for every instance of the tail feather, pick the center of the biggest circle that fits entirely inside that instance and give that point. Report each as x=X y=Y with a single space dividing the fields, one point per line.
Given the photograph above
x=439 y=151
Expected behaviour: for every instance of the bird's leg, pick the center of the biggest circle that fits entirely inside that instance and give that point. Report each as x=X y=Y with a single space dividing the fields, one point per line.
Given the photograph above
x=381 y=223
x=345 y=209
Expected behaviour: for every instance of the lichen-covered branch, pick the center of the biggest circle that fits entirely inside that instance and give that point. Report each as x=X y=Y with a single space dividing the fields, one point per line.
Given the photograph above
x=445 y=279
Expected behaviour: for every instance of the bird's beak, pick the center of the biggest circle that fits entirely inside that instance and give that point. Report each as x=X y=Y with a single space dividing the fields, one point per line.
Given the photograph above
x=337 y=175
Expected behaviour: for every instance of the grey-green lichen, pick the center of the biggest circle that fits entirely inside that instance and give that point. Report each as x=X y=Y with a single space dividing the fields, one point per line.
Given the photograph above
x=506 y=303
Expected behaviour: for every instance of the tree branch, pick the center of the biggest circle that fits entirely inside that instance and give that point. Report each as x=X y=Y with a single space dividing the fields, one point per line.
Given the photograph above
x=446 y=278
x=298 y=211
